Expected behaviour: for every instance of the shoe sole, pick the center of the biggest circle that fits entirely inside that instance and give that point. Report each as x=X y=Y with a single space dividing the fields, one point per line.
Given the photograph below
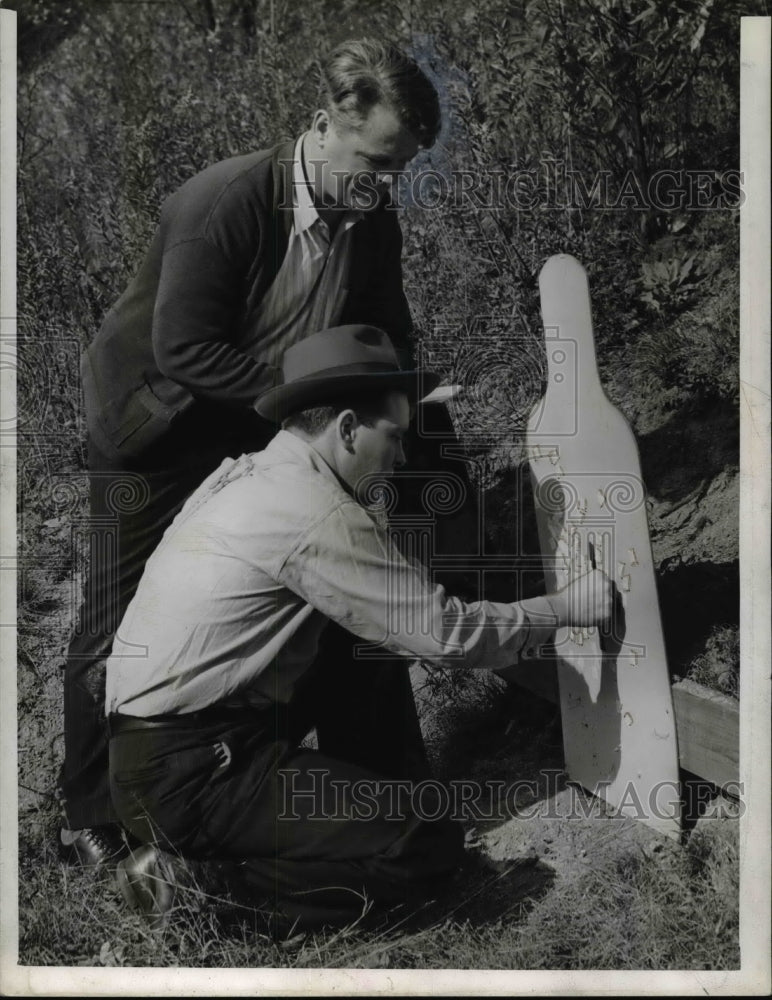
x=71 y=855
x=148 y=889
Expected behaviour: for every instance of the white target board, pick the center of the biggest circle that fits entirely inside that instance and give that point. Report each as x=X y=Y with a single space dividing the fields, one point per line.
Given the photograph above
x=616 y=705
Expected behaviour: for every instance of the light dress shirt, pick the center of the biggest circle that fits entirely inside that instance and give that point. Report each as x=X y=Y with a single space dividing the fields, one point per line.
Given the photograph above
x=308 y=292
x=268 y=549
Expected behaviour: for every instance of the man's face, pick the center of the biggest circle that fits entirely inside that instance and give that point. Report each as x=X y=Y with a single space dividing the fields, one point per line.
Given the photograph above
x=379 y=449
x=359 y=167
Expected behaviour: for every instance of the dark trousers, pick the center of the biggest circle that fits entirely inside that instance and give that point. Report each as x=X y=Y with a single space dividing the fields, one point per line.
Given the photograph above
x=309 y=834
x=131 y=507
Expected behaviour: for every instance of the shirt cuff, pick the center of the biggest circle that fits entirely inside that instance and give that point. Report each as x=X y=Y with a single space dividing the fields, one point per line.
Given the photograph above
x=542 y=623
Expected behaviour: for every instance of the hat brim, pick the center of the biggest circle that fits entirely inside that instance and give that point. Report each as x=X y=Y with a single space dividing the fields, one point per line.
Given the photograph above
x=280 y=402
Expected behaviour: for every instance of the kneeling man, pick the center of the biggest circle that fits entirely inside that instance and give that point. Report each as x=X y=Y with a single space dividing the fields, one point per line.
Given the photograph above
x=226 y=657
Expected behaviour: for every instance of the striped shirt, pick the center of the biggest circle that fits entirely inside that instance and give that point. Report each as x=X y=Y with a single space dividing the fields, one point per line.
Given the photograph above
x=308 y=292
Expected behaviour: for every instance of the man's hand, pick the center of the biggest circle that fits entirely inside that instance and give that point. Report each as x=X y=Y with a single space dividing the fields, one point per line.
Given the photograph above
x=586 y=601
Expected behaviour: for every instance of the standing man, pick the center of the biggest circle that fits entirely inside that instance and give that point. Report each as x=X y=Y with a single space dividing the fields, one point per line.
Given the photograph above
x=206 y=728
x=251 y=256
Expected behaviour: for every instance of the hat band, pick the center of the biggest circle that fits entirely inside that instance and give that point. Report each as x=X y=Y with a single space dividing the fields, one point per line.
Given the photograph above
x=357 y=368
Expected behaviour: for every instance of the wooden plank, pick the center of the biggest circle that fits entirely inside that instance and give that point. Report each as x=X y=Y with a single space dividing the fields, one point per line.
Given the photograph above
x=707 y=722
x=708 y=726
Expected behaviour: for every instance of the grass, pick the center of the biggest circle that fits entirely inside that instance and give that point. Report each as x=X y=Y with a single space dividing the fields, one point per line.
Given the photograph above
x=640 y=913
x=668 y=907
x=675 y=910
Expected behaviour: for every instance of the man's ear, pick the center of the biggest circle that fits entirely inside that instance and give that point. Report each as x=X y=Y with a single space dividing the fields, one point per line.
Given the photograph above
x=346 y=425
x=320 y=125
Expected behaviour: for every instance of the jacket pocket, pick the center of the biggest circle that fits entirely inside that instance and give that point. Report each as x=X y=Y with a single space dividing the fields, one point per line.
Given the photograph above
x=125 y=427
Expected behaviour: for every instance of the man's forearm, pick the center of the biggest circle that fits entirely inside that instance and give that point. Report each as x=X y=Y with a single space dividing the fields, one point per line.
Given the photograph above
x=349 y=569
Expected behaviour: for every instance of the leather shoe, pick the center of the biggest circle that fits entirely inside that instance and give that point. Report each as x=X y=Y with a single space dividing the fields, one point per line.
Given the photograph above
x=93 y=847
x=150 y=881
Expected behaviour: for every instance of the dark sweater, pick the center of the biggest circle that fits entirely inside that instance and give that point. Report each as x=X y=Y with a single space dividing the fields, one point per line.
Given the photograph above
x=170 y=339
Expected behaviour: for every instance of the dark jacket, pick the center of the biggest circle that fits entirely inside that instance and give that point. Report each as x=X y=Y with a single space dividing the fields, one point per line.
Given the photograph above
x=170 y=338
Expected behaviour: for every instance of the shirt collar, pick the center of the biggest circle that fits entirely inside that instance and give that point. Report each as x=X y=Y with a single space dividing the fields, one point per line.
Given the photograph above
x=304 y=211
x=288 y=446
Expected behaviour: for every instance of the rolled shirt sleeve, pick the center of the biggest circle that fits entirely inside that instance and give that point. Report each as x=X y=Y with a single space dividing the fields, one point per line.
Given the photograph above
x=347 y=567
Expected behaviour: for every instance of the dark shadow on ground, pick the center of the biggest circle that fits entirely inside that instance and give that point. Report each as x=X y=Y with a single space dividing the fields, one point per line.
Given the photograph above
x=480 y=892
x=689 y=448
x=510 y=747
x=484 y=892
x=693 y=599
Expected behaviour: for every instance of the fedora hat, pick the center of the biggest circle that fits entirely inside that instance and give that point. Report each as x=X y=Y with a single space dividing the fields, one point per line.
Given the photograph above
x=335 y=363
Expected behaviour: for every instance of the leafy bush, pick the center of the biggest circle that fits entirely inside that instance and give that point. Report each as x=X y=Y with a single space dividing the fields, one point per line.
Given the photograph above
x=695 y=354
x=718 y=666
x=671 y=284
